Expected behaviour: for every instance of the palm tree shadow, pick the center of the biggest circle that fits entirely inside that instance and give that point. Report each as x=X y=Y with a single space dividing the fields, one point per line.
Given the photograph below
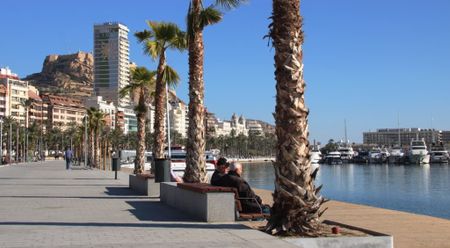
x=157 y=211
x=121 y=191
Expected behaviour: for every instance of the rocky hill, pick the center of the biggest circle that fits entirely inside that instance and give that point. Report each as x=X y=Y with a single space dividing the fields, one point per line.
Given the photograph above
x=70 y=74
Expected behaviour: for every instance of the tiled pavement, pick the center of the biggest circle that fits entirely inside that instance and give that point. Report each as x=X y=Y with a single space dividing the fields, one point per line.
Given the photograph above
x=43 y=205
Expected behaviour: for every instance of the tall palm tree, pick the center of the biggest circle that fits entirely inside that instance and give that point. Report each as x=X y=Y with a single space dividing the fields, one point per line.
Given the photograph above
x=96 y=121
x=297 y=203
x=99 y=124
x=197 y=19
x=143 y=82
x=157 y=40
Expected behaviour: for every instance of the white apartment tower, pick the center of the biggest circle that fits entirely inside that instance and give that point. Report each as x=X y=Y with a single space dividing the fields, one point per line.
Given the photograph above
x=111 y=61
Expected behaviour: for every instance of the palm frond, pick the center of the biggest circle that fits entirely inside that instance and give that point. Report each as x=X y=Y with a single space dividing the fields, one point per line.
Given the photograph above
x=179 y=42
x=190 y=21
x=209 y=16
x=229 y=4
x=170 y=76
x=152 y=48
x=143 y=35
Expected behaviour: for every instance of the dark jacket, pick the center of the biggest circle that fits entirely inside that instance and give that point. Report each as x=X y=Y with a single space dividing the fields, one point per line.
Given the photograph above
x=251 y=205
x=223 y=180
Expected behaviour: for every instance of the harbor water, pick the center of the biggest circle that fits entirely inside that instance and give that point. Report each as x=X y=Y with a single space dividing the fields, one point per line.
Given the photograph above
x=423 y=189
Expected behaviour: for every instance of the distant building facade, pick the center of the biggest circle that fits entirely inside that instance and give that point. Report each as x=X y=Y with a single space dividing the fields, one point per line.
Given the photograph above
x=106 y=107
x=255 y=128
x=63 y=111
x=390 y=136
x=15 y=98
x=37 y=109
x=446 y=137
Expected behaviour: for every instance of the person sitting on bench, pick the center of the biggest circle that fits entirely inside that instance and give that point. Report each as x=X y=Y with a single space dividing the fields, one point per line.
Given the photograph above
x=251 y=202
x=219 y=177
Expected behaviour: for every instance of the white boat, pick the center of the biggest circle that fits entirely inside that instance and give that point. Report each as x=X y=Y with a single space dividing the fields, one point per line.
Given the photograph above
x=178 y=162
x=333 y=158
x=346 y=152
x=315 y=155
x=418 y=153
x=439 y=155
x=378 y=155
x=396 y=155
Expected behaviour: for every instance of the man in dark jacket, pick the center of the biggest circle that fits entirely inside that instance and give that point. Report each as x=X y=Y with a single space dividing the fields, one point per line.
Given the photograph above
x=219 y=177
x=253 y=203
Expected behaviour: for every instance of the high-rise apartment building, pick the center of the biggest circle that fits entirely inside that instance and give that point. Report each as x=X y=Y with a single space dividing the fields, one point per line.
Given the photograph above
x=111 y=62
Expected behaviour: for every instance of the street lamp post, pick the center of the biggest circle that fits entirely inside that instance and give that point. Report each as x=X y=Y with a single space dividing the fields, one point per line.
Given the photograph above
x=85 y=140
x=10 y=143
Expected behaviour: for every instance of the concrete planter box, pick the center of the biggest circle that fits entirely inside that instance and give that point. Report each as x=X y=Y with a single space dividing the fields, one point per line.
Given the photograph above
x=209 y=207
x=373 y=240
x=144 y=184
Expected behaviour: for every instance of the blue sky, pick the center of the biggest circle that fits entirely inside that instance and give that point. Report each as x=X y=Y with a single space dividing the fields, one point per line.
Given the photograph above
x=365 y=61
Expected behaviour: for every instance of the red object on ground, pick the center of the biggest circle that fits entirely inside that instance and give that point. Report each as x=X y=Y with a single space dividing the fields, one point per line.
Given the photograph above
x=335 y=230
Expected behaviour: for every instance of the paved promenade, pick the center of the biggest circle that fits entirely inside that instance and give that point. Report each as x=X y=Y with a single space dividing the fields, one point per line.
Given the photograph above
x=43 y=205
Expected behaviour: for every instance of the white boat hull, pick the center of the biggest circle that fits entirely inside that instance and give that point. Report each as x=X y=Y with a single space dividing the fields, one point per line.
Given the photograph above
x=420 y=159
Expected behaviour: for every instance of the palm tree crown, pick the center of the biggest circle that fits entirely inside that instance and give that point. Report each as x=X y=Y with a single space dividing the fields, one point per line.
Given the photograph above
x=143 y=81
x=160 y=37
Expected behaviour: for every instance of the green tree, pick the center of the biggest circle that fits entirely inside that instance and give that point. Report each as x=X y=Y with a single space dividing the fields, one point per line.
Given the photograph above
x=160 y=37
x=296 y=207
x=143 y=82
x=96 y=122
x=198 y=18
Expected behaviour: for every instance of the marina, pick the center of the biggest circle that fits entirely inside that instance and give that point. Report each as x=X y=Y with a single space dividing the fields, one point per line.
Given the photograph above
x=420 y=189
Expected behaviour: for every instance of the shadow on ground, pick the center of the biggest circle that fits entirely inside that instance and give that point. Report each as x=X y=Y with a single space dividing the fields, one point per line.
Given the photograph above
x=138 y=225
x=156 y=211
x=121 y=191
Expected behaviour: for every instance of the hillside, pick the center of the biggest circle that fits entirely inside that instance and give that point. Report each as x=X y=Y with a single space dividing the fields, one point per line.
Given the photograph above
x=70 y=74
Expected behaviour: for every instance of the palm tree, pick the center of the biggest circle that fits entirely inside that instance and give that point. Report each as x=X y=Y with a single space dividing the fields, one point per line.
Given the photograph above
x=157 y=40
x=297 y=203
x=99 y=123
x=96 y=121
x=197 y=19
x=143 y=82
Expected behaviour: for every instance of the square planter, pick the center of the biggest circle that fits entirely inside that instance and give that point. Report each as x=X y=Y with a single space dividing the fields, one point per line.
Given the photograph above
x=144 y=184
x=371 y=240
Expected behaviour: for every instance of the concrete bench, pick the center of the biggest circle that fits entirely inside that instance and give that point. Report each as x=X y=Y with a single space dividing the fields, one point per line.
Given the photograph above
x=144 y=184
x=202 y=201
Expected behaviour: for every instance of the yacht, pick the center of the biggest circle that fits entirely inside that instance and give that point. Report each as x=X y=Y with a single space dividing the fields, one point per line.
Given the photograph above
x=347 y=153
x=397 y=156
x=439 y=155
x=178 y=162
x=361 y=157
x=378 y=156
x=418 y=153
x=333 y=158
x=315 y=155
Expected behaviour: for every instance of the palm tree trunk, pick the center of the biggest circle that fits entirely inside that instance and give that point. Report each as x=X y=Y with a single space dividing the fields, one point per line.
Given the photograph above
x=97 y=149
x=195 y=150
x=140 y=151
x=92 y=146
x=296 y=206
x=160 y=110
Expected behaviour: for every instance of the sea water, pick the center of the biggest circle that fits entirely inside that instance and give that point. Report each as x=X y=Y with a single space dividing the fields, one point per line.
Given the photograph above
x=421 y=189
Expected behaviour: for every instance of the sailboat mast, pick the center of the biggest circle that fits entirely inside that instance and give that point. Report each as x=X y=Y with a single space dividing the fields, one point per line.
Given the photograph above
x=345 y=131
x=398 y=127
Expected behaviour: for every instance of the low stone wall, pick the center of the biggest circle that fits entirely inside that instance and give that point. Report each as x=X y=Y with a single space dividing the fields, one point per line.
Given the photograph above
x=209 y=207
x=144 y=185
